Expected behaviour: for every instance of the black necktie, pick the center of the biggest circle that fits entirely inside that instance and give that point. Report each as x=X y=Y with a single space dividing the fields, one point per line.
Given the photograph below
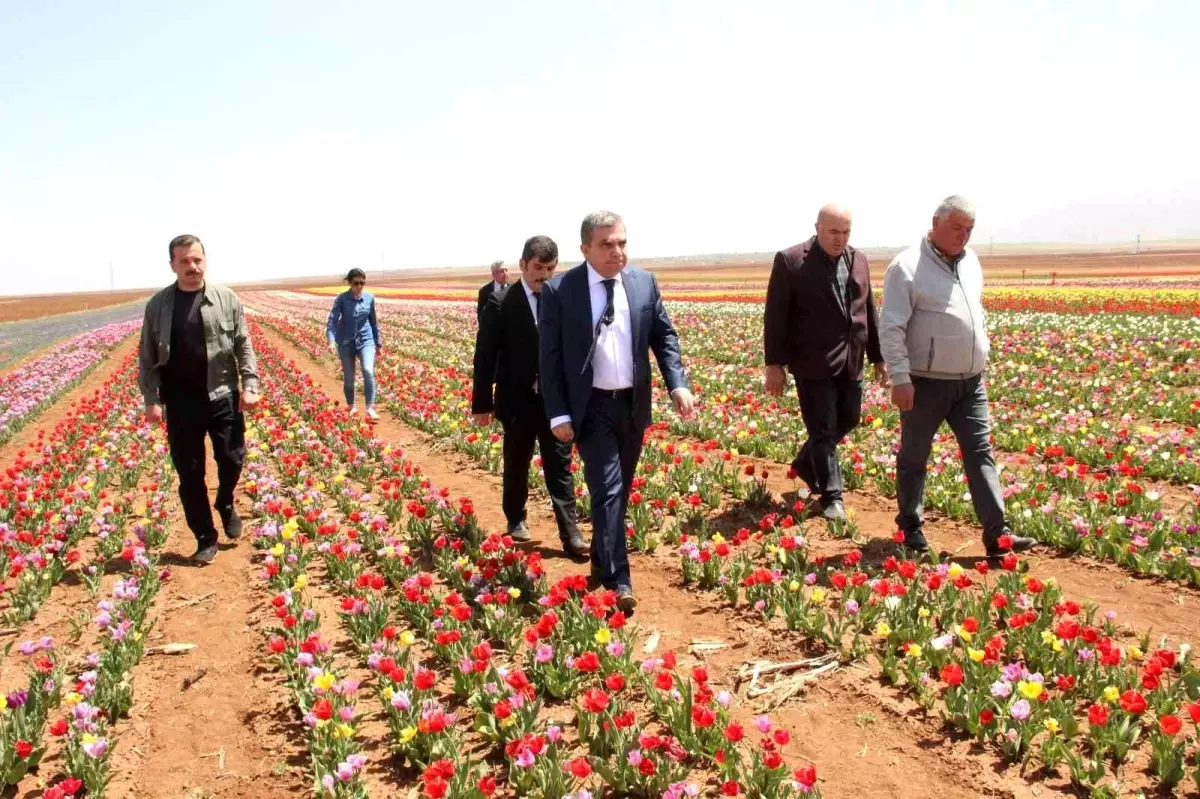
x=537 y=306
x=606 y=318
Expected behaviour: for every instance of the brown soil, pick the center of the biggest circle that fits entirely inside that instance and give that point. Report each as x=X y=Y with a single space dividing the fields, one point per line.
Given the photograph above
x=866 y=738
x=37 y=306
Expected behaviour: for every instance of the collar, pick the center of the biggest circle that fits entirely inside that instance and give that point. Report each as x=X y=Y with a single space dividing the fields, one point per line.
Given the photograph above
x=847 y=253
x=528 y=291
x=206 y=290
x=496 y=285
x=595 y=277
x=952 y=262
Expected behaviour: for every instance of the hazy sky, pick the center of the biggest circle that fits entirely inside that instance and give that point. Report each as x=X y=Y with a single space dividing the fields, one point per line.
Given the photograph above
x=304 y=137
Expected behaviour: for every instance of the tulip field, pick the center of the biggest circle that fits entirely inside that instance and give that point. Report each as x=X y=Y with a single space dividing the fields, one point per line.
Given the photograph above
x=378 y=634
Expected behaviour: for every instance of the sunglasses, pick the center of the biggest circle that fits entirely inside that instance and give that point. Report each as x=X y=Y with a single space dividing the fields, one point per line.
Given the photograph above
x=358 y=282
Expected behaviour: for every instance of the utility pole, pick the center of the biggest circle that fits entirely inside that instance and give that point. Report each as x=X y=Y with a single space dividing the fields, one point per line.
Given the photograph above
x=112 y=281
x=382 y=263
x=1137 y=248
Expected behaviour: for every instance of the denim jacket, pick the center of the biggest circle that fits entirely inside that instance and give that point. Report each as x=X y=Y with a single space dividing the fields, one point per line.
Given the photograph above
x=230 y=353
x=353 y=321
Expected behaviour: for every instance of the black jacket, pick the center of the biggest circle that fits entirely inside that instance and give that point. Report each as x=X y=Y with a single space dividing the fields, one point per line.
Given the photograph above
x=506 y=355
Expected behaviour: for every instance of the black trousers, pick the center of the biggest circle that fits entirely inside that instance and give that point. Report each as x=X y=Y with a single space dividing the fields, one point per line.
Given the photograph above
x=831 y=408
x=530 y=426
x=610 y=445
x=189 y=420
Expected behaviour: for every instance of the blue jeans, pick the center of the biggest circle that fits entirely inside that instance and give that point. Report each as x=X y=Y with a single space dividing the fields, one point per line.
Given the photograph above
x=366 y=356
x=963 y=404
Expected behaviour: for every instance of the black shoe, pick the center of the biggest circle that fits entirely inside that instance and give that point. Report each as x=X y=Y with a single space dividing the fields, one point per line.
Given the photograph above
x=519 y=533
x=232 y=524
x=205 y=552
x=916 y=542
x=575 y=546
x=626 y=601
x=1016 y=543
x=833 y=512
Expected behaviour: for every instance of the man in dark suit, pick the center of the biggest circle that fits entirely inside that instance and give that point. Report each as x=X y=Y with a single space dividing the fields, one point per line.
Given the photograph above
x=599 y=322
x=499 y=280
x=506 y=356
x=819 y=320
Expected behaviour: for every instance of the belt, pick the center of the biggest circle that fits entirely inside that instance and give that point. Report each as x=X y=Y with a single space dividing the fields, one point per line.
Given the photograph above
x=613 y=393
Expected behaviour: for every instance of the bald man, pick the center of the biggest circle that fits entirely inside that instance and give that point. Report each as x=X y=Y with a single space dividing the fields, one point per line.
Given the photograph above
x=819 y=322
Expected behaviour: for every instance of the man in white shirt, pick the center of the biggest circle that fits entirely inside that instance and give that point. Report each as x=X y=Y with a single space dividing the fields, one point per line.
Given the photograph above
x=506 y=357
x=599 y=323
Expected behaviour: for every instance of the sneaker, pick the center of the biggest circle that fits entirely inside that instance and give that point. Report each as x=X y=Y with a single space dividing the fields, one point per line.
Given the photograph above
x=353 y=410
x=626 y=601
x=833 y=512
x=916 y=542
x=232 y=524
x=205 y=553
x=371 y=414
x=1009 y=542
x=519 y=532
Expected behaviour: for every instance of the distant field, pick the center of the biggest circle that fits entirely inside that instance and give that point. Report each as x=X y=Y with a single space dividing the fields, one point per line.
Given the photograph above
x=20 y=338
x=679 y=273
x=33 y=307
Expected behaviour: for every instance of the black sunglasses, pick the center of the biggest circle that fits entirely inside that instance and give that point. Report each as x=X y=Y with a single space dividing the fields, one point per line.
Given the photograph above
x=358 y=282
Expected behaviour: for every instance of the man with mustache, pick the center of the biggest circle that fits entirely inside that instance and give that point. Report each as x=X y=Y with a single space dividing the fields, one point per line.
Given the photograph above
x=193 y=351
x=600 y=322
x=506 y=356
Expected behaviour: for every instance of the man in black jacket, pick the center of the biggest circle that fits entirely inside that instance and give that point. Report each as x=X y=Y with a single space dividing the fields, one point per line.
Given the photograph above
x=818 y=324
x=499 y=280
x=506 y=356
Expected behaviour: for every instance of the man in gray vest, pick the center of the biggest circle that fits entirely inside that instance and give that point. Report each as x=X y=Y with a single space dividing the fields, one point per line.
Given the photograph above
x=933 y=337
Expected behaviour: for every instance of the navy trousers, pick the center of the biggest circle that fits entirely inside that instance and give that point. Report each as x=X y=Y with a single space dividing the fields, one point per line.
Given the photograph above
x=610 y=445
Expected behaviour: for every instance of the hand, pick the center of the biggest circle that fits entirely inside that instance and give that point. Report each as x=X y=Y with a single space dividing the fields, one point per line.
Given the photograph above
x=333 y=348
x=483 y=419
x=882 y=374
x=903 y=396
x=564 y=433
x=685 y=403
x=775 y=380
x=249 y=399
x=154 y=414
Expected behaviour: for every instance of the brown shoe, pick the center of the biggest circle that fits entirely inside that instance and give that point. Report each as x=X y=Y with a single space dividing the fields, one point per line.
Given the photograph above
x=626 y=601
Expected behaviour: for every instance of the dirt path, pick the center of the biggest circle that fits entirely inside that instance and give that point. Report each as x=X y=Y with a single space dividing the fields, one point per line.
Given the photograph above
x=864 y=741
x=232 y=733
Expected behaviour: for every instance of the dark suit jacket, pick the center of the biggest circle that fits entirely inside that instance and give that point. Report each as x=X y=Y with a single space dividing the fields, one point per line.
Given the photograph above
x=566 y=337
x=804 y=326
x=485 y=292
x=506 y=355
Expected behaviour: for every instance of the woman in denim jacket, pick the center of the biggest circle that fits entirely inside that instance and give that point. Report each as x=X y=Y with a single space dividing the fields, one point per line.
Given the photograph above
x=354 y=332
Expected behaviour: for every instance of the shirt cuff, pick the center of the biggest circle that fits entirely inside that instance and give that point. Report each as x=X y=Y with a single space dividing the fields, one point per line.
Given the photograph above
x=901 y=379
x=557 y=420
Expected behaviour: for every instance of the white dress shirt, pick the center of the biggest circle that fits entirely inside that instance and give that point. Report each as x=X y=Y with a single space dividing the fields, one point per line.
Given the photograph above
x=612 y=363
x=529 y=297
x=532 y=299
